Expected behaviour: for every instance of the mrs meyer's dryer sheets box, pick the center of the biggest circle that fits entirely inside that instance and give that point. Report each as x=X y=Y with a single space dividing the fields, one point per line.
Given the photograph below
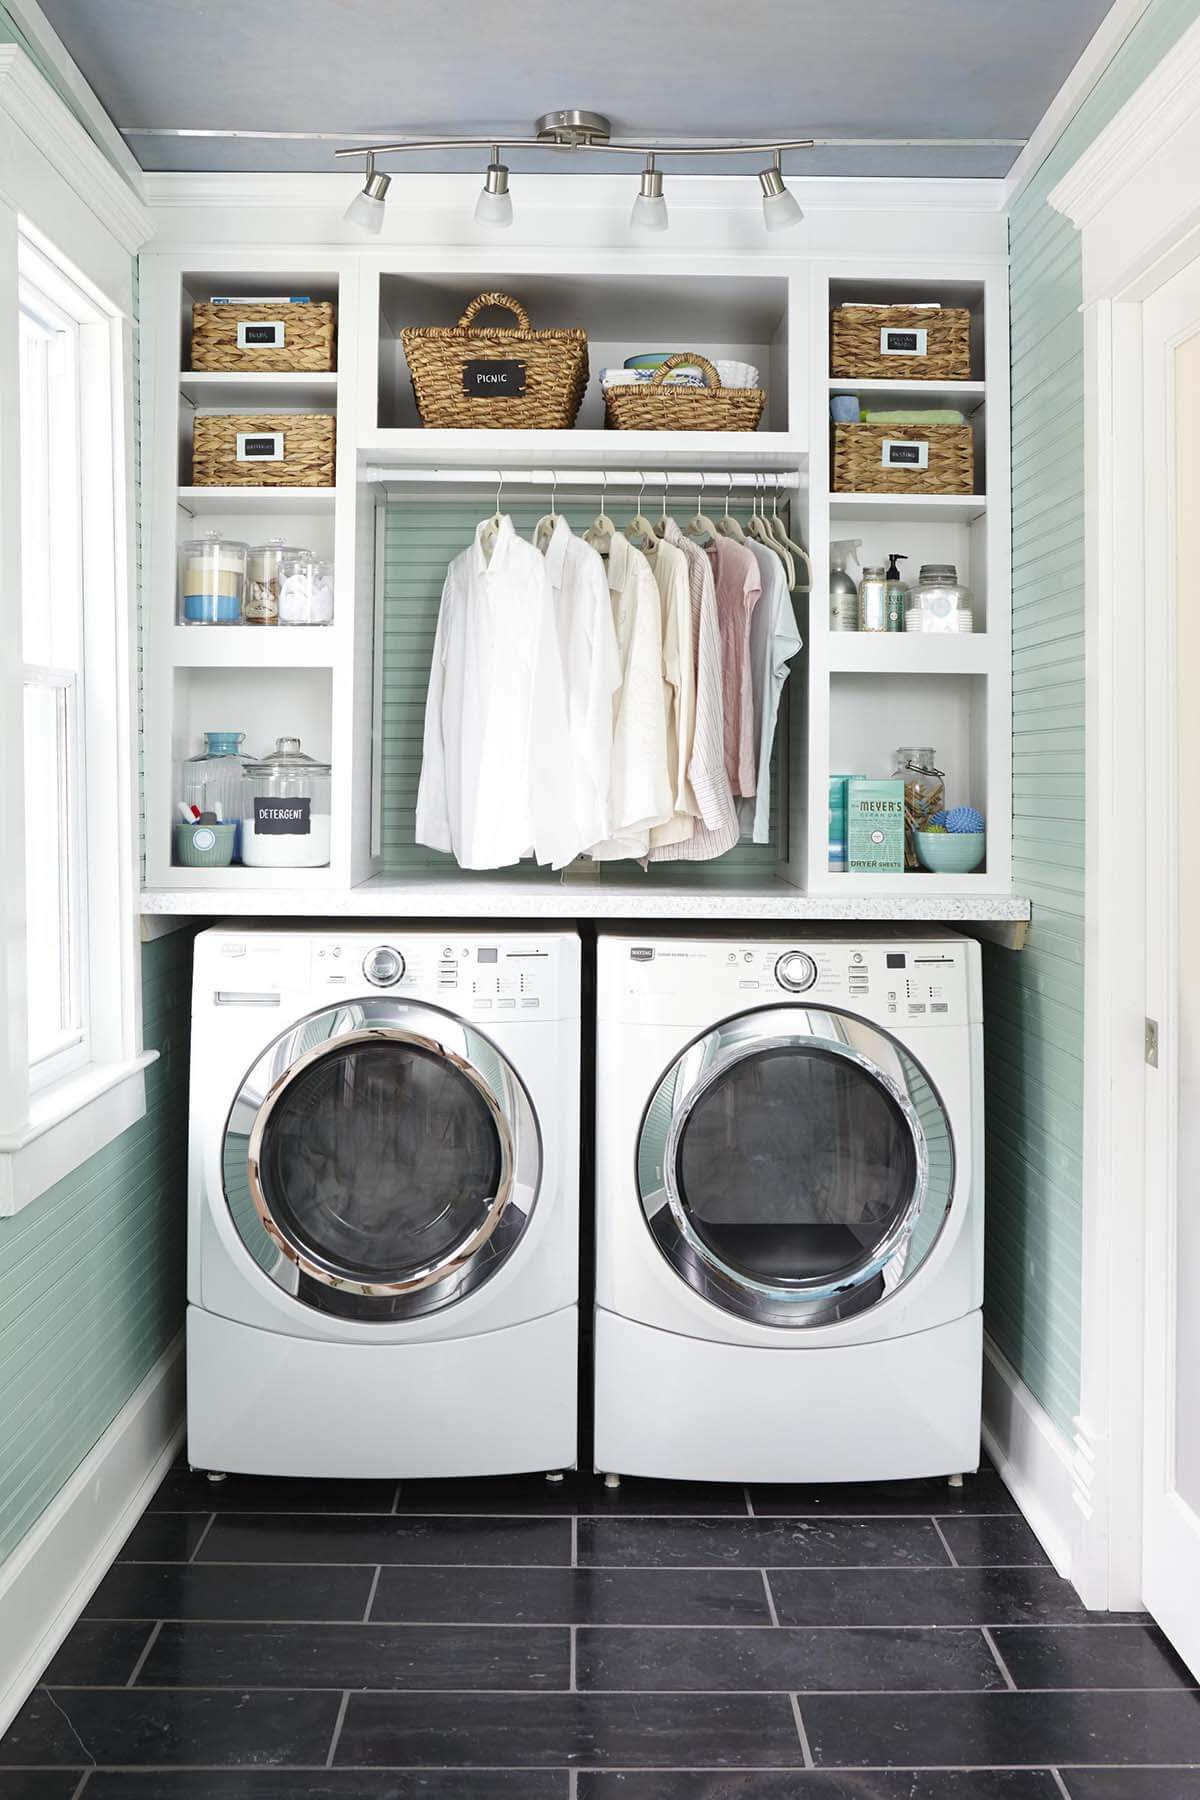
x=875 y=826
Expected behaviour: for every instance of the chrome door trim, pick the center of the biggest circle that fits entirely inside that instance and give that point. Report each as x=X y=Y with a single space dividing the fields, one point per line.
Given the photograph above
x=390 y=1019
x=686 y=1081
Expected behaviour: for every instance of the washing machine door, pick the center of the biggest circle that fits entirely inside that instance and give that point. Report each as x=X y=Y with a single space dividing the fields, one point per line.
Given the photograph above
x=381 y=1159
x=796 y=1165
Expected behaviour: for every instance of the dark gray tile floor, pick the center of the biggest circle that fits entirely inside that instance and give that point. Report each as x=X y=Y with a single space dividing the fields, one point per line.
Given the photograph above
x=509 y=1640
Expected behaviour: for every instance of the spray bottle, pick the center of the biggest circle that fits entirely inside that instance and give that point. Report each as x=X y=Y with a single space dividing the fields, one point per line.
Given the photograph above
x=896 y=595
x=843 y=590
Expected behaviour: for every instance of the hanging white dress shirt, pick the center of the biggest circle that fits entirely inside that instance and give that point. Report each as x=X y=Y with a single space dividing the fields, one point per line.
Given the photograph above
x=640 y=794
x=670 y=567
x=716 y=828
x=774 y=640
x=587 y=642
x=496 y=767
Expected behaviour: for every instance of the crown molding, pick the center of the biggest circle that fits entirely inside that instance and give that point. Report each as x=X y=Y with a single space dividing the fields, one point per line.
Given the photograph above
x=1166 y=100
x=28 y=102
x=37 y=35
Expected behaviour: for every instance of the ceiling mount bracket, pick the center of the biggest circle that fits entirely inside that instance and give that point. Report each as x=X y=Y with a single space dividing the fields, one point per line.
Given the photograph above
x=573 y=128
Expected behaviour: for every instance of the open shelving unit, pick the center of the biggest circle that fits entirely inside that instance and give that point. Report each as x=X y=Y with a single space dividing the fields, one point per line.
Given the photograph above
x=850 y=701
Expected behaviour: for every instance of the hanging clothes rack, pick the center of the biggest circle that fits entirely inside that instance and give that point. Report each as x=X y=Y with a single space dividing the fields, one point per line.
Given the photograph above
x=761 y=480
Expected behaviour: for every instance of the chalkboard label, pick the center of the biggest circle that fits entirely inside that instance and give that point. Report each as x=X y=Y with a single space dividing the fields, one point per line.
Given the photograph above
x=895 y=342
x=493 y=379
x=252 y=333
x=260 y=446
x=282 y=818
x=905 y=453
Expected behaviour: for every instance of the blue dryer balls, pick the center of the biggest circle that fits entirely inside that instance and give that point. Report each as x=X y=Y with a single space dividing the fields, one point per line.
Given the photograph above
x=961 y=818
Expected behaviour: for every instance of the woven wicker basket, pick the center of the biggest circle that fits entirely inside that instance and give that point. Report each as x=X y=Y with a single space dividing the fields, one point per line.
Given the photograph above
x=539 y=387
x=306 y=333
x=654 y=406
x=858 y=335
x=860 y=465
x=300 y=446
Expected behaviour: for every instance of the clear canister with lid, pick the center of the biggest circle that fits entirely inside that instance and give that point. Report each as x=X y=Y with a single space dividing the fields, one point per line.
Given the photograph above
x=940 y=601
x=265 y=564
x=924 y=793
x=285 y=824
x=212 y=580
x=872 y=599
x=306 y=590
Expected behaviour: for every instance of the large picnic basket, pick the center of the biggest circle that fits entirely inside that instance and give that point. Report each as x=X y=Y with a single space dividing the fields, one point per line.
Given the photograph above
x=496 y=376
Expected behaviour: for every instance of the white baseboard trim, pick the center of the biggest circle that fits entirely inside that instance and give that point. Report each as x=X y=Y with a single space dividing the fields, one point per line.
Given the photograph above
x=1035 y=1459
x=53 y=1572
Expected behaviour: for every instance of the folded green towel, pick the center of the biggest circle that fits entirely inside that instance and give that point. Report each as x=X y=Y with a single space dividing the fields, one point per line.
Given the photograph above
x=890 y=415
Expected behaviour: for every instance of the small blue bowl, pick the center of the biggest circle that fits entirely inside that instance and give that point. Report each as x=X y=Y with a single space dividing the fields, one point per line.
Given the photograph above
x=950 y=852
x=845 y=409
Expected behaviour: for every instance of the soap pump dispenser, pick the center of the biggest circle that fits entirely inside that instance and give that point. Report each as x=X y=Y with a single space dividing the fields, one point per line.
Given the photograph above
x=896 y=595
x=843 y=589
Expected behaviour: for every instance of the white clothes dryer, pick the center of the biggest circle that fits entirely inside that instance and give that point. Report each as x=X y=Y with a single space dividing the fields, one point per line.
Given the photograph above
x=789 y=1206
x=383 y=1201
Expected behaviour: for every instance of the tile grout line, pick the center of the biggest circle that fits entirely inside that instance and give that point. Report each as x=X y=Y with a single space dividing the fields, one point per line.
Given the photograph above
x=83 y=1781
x=770 y=1601
x=393 y=1510
x=337 y=1727
x=805 y=1748
x=750 y=1513
x=574 y=1540
x=954 y=1562
x=1063 y=1789
x=571 y=1631
x=1003 y=1667
x=147 y=1647
x=212 y=1519
x=572 y=1784
x=371 y=1593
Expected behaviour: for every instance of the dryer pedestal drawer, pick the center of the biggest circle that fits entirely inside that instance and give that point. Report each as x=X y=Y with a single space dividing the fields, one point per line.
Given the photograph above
x=687 y=1409
x=260 y=1403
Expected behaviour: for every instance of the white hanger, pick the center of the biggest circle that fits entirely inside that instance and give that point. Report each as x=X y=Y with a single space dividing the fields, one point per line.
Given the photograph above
x=758 y=530
x=727 y=525
x=639 y=530
x=491 y=527
x=779 y=530
x=700 y=527
x=660 y=527
x=543 y=531
x=602 y=530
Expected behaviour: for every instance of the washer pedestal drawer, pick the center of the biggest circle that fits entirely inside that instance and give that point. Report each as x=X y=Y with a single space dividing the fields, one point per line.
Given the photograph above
x=689 y=1409
x=499 y=1403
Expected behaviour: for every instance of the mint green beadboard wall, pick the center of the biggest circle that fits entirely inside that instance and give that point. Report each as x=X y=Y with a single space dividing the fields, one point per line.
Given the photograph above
x=1034 y=1001
x=92 y=1274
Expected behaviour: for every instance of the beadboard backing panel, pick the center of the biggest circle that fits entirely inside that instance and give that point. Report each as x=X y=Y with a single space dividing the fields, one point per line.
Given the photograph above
x=421 y=537
x=1034 y=1001
x=92 y=1274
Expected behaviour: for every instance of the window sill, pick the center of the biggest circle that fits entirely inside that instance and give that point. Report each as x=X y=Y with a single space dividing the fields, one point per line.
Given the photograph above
x=68 y=1122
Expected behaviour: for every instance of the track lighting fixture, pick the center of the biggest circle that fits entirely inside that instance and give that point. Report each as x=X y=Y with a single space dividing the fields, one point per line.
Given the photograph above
x=494 y=205
x=650 y=209
x=781 y=209
x=366 y=208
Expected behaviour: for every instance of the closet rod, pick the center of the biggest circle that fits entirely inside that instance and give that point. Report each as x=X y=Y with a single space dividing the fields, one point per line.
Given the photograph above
x=655 y=480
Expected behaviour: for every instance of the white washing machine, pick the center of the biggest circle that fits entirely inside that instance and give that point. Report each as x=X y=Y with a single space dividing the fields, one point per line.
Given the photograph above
x=383 y=1201
x=789 y=1206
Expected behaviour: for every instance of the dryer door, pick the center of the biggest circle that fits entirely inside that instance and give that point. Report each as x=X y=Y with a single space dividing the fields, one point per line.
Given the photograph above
x=796 y=1165
x=381 y=1159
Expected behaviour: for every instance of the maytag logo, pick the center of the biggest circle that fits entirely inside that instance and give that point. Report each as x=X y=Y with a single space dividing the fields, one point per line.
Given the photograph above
x=641 y=953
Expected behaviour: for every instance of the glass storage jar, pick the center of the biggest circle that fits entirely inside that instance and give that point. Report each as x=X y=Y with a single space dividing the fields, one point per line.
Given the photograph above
x=305 y=591
x=215 y=781
x=285 y=824
x=939 y=601
x=924 y=794
x=212 y=580
x=261 y=606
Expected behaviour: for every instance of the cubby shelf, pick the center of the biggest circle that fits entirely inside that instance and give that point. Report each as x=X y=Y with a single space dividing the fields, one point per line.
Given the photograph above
x=252 y=647
x=910 y=509
x=912 y=652
x=967 y=396
x=255 y=390
x=652 y=450
x=244 y=501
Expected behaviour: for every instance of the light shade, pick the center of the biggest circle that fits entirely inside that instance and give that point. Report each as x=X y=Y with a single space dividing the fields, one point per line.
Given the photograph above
x=649 y=209
x=781 y=209
x=366 y=208
x=494 y=205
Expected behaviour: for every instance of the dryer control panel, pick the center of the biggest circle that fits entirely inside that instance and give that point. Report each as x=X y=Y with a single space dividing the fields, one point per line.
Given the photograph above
x=910 y=982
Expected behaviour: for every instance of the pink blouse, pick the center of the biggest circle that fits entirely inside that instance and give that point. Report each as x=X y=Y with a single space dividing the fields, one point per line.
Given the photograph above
x=738 y=583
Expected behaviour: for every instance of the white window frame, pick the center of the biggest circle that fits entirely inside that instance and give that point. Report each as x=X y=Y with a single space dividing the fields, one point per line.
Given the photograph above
x=60 y=199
